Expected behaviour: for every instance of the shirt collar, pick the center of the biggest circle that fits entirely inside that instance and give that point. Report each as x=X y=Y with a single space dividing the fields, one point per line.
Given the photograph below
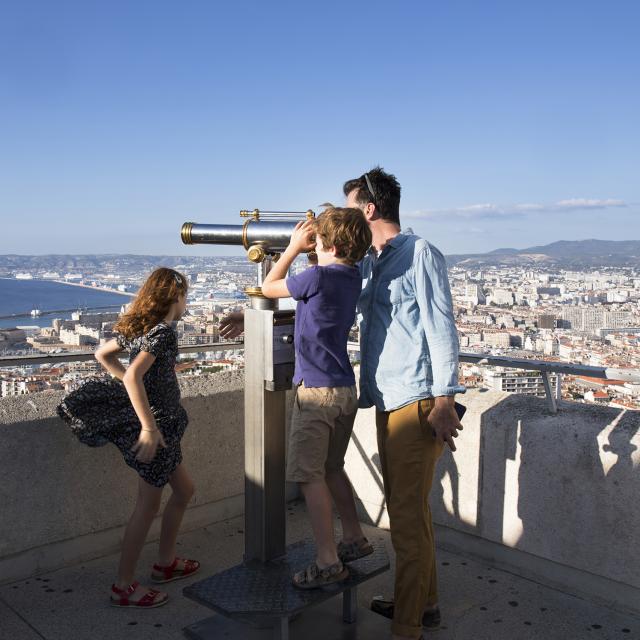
x=395 y=242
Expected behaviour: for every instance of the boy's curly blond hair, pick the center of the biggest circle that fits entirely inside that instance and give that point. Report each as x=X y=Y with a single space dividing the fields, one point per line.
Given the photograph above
x=346 y=229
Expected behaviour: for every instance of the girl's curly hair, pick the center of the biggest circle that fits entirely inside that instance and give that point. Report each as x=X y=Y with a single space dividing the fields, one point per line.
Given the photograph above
x=152 y=303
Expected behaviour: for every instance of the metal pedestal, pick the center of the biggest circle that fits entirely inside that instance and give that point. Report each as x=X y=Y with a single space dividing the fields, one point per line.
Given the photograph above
x=256 y=599
x=259 y=601
x=320 y=623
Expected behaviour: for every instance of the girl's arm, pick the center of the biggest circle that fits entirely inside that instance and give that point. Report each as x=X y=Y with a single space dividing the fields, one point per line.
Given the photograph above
x=275 y=284
x=107 y=356
x=150 y=436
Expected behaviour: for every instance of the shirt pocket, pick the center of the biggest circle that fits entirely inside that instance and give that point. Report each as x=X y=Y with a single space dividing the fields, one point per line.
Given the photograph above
x=394 y=291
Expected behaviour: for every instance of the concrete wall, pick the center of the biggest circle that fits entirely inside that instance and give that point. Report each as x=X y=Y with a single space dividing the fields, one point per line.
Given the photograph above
x=62 y=502
x=553 y=497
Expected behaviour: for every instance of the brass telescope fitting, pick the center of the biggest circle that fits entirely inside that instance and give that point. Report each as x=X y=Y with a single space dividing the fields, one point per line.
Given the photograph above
x=185 y=233
x=256 y=254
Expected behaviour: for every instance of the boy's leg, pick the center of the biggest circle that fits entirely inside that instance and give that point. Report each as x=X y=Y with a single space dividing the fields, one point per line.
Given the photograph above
x=319 y=507
x=342 y=493
x=337 y=479
x=313 y=415
x=409 y=453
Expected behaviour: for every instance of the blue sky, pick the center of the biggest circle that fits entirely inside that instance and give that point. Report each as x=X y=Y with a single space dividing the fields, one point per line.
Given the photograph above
x=507 y=123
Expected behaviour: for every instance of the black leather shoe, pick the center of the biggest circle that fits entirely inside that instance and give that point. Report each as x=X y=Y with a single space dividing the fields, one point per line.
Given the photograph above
x=430 y=619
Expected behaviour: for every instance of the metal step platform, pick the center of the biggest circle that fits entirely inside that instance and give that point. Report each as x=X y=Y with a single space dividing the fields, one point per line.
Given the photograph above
x=258 y=601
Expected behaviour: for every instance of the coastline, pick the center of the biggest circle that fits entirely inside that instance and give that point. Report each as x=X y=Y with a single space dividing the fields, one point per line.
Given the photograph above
x=53 y=299
x=88 y=286
x=73 y=284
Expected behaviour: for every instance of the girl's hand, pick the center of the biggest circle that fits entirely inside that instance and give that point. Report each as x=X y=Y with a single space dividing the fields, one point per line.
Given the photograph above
x=303 y=237
x=148 y=443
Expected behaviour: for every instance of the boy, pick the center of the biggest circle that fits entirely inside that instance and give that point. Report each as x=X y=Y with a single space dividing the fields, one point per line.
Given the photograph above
x=326 y=399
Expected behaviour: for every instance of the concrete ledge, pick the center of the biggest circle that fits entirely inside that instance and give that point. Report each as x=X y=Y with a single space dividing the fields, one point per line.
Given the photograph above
x=65 y=553
x=63 y=502
x=550 y=496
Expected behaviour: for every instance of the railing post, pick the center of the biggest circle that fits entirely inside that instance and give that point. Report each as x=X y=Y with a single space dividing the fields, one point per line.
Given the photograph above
x=551 y=398
x=558 y=387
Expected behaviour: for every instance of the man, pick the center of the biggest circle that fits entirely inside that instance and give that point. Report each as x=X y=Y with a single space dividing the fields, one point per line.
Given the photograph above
x=408 y=371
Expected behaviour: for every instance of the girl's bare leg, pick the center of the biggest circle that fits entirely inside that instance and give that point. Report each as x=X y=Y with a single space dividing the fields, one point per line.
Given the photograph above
x=135 y=534
x=182 y=487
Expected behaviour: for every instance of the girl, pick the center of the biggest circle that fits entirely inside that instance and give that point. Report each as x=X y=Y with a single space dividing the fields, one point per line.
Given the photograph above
x=143 y=417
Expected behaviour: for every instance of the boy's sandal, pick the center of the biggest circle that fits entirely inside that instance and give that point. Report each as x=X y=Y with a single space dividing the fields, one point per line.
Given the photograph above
x=314 y=577
x=350 y=551
x=172 y=572
x=149 y=600
x=430 y=619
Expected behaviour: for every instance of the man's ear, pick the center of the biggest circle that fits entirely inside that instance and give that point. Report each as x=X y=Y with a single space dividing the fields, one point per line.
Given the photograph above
x=370 y=211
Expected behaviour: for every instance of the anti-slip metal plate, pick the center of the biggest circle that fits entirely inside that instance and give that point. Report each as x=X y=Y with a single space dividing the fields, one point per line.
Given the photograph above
x=259 y=593
x=323 y=622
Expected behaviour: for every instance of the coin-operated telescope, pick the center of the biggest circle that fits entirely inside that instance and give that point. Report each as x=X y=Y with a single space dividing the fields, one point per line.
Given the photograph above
x=258 y=592
x=269 y=360
x=264 y=235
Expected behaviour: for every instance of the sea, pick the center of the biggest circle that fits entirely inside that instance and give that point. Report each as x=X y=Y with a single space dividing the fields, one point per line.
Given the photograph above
x=21 y=296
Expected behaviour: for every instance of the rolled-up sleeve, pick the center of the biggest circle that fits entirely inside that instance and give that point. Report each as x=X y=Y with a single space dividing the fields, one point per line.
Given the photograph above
x=433 y=296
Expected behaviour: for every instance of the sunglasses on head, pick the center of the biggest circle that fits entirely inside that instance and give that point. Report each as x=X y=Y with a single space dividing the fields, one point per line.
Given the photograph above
x=370 y=187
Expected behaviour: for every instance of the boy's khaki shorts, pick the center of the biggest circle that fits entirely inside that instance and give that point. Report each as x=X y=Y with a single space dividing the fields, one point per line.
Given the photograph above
x=321 y=427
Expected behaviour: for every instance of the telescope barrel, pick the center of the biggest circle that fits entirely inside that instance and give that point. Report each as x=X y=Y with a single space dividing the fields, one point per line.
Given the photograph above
x=273 y=236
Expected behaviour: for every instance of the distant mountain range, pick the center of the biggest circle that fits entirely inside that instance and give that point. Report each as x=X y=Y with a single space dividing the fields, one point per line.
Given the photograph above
x=563 y=254
x=122 y=264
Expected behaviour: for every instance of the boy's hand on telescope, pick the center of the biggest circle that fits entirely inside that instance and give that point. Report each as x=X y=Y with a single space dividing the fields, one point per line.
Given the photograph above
x=303 y=237
x=232 y=325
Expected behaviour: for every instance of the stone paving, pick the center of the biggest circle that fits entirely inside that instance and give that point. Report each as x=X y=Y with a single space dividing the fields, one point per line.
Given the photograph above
x=478 y=602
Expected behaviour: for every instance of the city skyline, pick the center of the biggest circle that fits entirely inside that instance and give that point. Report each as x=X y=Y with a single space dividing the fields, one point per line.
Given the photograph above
x=506 y=126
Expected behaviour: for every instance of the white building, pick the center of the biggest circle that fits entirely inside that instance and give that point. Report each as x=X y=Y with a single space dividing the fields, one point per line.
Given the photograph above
x=70 y=337
x=13 y=387
x=502 y=296
x=518 y=381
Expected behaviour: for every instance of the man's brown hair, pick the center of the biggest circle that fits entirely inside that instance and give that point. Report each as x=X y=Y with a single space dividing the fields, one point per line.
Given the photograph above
x=345 y=229
x=380 y=188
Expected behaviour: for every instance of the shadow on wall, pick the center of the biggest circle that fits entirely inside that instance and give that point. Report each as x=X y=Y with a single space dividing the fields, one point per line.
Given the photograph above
x=561 y=486
x=558 y=486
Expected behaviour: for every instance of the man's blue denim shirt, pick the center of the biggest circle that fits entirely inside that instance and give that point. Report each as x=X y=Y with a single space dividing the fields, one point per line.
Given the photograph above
x=408 y=337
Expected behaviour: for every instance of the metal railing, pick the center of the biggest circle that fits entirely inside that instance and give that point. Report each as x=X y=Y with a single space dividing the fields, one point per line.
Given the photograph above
x=545 y=367
x=84 y=356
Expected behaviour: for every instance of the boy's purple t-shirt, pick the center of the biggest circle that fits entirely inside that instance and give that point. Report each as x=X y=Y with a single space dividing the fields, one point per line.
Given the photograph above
x=326 y=309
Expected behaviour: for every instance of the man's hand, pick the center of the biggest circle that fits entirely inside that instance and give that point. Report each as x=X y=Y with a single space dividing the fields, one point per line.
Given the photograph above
x=303 y=237
x=443 y=419
x=232 y=325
